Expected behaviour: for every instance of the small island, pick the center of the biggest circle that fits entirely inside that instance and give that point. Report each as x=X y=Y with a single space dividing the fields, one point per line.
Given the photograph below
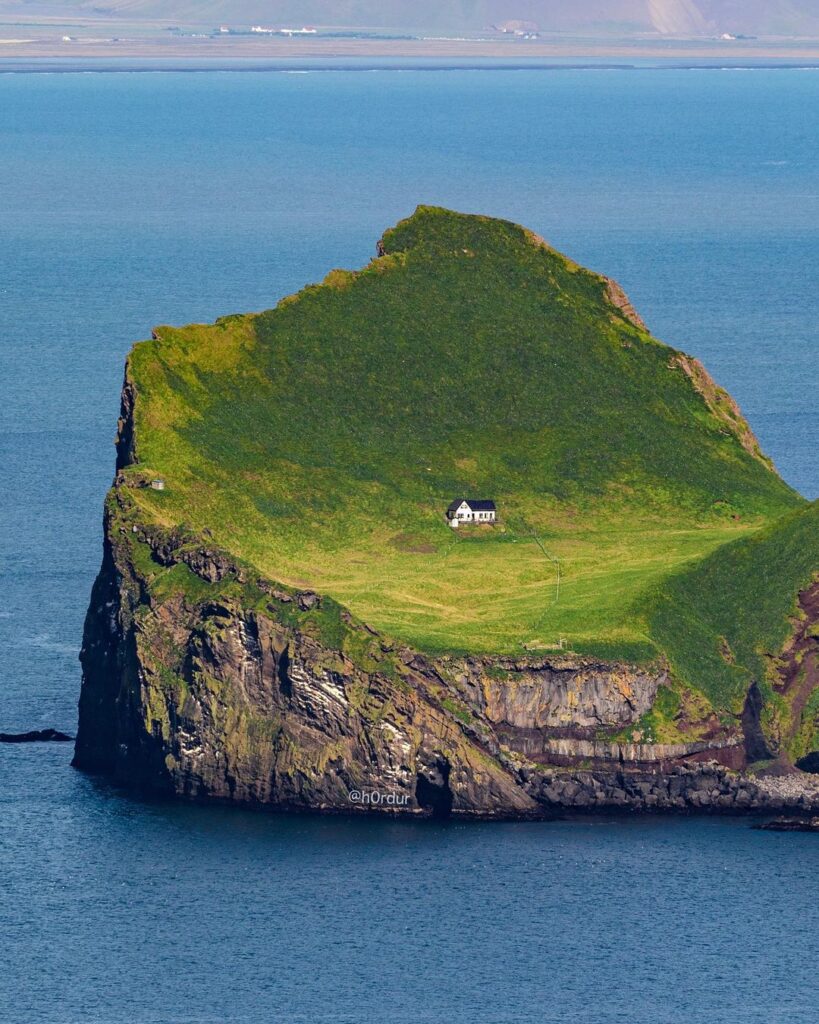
x=283 y=617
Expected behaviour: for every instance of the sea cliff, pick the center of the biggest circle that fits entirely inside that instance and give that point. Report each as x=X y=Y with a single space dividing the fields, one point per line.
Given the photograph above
x=204 y=681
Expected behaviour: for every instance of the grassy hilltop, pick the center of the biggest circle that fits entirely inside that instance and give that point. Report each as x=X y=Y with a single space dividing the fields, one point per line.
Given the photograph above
x=322 y=440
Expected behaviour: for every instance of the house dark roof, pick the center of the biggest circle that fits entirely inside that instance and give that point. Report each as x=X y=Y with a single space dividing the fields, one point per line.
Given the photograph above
x=476 y=504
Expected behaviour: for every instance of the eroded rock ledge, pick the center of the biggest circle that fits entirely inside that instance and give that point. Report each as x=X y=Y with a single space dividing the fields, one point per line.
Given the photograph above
x=203 y=681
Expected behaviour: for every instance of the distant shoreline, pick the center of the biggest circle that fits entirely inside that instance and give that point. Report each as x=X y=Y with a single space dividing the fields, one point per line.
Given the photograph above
x=35 y=48
x=109 y=65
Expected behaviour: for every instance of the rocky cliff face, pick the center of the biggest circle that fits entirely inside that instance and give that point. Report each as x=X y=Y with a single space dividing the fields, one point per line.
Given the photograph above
x=227 y=689
x=203 y=681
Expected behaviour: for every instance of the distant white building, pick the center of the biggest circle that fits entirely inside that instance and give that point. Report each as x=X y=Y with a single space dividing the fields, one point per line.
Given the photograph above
x=471 y=510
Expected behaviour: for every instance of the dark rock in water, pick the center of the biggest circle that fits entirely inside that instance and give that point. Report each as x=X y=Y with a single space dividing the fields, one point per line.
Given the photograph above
x=791 y=825
x=36 y=736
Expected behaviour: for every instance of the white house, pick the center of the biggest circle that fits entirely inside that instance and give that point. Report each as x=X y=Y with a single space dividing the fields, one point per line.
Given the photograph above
x=471 y=510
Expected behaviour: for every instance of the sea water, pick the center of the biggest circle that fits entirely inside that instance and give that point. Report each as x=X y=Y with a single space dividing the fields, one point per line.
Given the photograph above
x=128 y=200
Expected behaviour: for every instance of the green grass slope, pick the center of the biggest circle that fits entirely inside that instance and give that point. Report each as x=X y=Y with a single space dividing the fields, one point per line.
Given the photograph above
x=322 y=441
x=721 y=620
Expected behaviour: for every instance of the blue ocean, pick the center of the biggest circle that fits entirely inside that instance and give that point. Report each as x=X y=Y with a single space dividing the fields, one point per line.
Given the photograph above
x=134 y=199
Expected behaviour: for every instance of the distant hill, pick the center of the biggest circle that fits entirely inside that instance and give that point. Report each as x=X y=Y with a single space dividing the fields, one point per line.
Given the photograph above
x=667 y=17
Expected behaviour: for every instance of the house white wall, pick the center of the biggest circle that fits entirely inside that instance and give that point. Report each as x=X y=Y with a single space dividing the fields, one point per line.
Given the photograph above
x=464 y=514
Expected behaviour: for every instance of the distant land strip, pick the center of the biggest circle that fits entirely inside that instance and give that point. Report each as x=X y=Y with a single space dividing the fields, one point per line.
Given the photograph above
x=108 y=65
x=18 y=51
